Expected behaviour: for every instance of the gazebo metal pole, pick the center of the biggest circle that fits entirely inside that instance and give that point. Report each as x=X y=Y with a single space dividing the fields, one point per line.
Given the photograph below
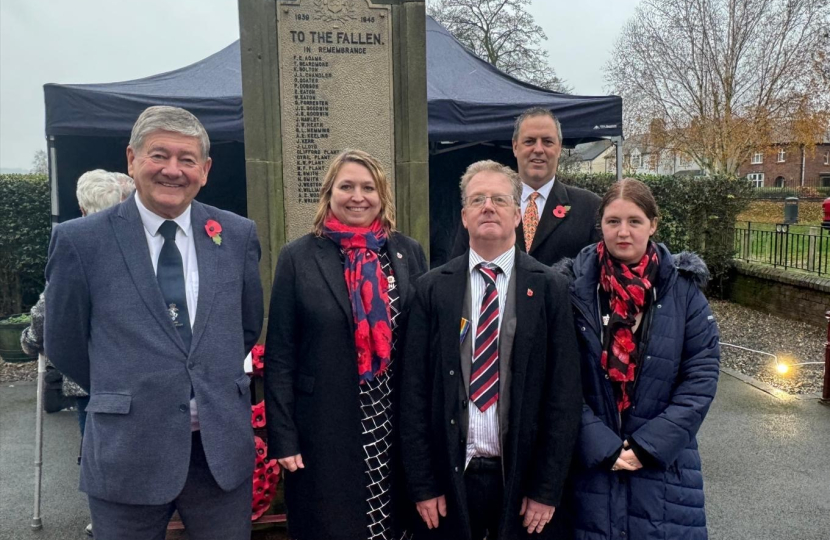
x=618 y=143
x=37 y=524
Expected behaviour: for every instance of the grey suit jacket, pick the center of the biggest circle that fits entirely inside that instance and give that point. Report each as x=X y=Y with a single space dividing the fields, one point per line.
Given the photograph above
x=107 y=329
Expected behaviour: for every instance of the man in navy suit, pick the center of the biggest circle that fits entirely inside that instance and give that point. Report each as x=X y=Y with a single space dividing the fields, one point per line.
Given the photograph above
x=557 y=220
x=153 y=305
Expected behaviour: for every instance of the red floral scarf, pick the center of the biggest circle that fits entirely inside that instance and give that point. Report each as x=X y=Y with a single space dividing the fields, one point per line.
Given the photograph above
x=628 y=287
x=368 y=292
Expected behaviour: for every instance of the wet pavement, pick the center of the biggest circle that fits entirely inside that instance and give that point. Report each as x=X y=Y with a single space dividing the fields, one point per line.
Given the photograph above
x=765 y=466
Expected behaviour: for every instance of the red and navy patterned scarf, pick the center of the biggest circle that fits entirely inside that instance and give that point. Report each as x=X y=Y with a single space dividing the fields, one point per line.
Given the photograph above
x=628 y=287
x=368 y=292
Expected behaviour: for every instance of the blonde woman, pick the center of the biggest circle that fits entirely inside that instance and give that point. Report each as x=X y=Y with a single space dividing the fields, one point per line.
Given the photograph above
x=338 y=307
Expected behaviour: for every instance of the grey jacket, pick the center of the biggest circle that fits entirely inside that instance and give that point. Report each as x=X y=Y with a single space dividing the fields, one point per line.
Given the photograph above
x=106 y=328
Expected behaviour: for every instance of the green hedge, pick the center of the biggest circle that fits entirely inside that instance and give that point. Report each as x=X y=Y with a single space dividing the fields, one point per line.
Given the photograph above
x=25 y=227
x=697 y=213
x=809 y=192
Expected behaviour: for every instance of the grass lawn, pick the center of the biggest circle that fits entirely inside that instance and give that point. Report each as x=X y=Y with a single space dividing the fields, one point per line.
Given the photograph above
x=798 y=249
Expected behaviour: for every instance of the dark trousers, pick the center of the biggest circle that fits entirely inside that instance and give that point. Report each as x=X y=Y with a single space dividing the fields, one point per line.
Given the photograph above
x=208 y=512
x=485 y=497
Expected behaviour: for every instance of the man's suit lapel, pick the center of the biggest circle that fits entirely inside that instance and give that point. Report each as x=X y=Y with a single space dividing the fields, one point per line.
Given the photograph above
x=129 y=233
x=207 y=257
x=400 y=269
x=547 y=221
x=530 y=291
x=507 y=334
x=450 y=295
x=331 y=266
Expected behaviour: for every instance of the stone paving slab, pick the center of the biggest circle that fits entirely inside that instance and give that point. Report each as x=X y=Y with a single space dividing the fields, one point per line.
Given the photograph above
x=765 y=465
x=764 y=458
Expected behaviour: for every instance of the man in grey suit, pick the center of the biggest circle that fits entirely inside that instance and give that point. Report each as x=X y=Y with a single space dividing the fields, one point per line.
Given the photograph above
x=153 y=305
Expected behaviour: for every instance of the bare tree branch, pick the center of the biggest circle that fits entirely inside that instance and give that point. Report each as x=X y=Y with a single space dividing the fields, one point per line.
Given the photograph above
x=718 y=79
x=502 y=33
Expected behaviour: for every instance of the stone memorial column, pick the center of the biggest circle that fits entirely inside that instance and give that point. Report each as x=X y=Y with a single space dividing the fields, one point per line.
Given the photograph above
x=319 y=76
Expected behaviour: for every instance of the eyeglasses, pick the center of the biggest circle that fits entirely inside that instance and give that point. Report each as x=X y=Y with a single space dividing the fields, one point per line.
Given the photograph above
x=502 y=201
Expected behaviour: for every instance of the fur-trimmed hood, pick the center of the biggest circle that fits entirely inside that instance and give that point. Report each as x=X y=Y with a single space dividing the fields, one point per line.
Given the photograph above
x=687 y=263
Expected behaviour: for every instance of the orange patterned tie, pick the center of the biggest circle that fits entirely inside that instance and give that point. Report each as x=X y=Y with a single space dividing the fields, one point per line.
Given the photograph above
x=530 y=220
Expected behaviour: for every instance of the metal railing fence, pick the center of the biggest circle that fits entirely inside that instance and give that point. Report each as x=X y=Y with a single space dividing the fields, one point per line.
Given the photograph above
x=806 y=251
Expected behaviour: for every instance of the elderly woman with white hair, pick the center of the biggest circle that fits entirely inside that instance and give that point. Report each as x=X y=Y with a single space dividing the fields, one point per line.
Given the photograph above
x=100 y=189
x=97 y=190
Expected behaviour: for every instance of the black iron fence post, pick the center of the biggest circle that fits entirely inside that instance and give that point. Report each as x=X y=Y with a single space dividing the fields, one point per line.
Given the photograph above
x=825 y=392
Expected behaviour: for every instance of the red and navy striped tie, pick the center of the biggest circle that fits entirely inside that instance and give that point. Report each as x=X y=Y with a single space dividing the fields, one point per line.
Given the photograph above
x=484 y=379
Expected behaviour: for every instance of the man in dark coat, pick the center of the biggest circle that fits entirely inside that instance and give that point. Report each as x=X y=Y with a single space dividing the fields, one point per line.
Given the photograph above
x=562 y=219
x=490 y=399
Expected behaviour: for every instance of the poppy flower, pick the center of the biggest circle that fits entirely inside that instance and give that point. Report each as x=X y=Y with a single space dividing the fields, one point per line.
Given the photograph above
x=258 y=417
x=638 y=294
x=560 y=211
x=214 y=230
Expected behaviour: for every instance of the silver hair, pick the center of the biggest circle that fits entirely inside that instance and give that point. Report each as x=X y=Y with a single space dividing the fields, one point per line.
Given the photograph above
x=173 y=119
x=488 y=165
x=97 y=190
x=127 y=184
x=531 y=113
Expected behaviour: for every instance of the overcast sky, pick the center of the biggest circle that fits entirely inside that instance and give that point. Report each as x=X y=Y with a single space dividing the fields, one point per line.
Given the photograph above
x=96 y=41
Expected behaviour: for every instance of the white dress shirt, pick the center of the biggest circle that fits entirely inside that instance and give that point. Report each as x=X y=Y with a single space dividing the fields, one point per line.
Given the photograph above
x=187 y=248
x=544 y=193
x=483 y=427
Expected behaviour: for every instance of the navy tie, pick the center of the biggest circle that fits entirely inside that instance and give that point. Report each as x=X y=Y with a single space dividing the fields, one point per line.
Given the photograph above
x=170 y=275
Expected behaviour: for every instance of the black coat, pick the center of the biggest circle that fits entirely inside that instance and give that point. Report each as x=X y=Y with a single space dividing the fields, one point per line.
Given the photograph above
x=573 y=232
x=311 y=384
x=545 y=398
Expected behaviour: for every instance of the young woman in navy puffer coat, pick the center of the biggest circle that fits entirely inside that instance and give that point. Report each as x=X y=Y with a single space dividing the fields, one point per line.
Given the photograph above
x=650 y=358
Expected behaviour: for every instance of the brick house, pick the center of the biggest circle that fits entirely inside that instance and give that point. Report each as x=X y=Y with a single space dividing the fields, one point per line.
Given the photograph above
x=789 y=166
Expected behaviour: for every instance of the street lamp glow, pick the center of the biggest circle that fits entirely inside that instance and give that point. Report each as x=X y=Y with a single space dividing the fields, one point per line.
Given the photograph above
x=782 y=368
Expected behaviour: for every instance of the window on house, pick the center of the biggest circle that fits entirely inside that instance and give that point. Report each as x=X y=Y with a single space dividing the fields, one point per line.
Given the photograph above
x=780 y=182
x=636 y=160
x=782 y=155
x=827 y=158
x=757 y=158
x=824 y=181
x=757 y=179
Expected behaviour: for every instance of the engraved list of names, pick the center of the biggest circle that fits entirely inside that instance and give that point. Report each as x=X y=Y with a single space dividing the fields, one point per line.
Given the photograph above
x=335 y=93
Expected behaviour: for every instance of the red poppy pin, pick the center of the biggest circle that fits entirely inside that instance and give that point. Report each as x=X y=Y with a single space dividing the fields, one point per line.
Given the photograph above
x=530 y=292
x=561 y=211
x=214 y=230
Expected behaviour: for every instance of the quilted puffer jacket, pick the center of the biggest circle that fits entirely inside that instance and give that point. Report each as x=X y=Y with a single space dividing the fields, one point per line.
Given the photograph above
x=675 y=385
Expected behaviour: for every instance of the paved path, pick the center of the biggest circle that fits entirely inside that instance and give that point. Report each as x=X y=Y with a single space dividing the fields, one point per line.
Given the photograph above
x=63 y=507
x=766 y=464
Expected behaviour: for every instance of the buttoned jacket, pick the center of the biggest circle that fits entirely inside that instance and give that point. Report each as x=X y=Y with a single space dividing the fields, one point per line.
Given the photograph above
x=544 y=398
x=107 y=328
x=312 y=386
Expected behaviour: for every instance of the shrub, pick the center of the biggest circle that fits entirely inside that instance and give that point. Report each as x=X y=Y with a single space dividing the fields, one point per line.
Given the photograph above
x=23 y=318
x=24 y=239
x=697 y=213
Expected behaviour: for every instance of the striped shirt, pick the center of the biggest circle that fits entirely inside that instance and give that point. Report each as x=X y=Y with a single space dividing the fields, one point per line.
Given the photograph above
x=483 y=427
